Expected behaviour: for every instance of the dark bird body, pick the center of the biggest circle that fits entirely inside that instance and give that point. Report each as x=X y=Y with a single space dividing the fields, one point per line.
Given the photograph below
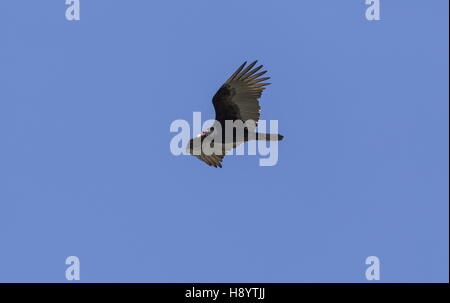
x=236 y=101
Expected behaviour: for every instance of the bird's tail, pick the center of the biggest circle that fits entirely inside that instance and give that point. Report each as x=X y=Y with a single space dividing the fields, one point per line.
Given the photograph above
x=270 y=137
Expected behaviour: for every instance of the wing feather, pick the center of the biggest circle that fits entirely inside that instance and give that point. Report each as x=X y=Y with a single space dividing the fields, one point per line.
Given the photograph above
x=237 y=98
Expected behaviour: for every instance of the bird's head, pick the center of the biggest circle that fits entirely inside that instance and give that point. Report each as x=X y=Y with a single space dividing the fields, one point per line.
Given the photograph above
x=196 y=142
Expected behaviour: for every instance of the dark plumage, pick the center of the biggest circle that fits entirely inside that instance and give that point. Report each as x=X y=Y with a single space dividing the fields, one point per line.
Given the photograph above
x=236 y=100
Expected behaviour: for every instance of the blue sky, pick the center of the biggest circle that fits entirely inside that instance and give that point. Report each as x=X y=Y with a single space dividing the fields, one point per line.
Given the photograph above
x=86 y=169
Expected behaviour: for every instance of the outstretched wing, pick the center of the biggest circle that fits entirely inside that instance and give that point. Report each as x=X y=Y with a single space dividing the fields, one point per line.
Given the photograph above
x=211 y=160
x=237 y=98
x=214 y=159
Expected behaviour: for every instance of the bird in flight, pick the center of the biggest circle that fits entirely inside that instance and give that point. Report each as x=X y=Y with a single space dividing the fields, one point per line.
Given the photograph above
x=236 y=102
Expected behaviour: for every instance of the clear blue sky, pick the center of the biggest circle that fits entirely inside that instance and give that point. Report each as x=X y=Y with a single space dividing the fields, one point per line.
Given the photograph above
x=86 y=169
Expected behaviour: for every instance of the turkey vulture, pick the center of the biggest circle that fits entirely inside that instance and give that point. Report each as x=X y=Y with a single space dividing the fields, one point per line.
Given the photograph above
x=235 y=101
